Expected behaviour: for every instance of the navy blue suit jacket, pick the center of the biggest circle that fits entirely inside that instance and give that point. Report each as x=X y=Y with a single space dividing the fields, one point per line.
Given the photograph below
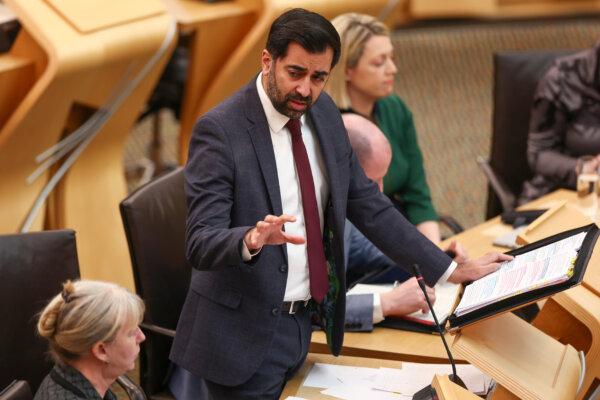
x=232 y=307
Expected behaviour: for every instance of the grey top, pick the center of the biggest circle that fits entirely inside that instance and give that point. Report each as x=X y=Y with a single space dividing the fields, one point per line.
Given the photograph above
x=72 y=386
x=565 y=122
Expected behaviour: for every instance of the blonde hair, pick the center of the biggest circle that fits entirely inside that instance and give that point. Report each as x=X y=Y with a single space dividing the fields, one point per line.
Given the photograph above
x=354 y=30
x=84 y=313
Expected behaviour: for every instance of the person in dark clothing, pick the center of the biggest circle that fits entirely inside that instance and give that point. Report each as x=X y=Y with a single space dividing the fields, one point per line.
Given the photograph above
x=565 y=123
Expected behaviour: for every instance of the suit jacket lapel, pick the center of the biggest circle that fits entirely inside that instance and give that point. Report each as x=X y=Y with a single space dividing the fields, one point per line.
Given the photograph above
x=327 y=149
x=258 y=129
x=263 y=146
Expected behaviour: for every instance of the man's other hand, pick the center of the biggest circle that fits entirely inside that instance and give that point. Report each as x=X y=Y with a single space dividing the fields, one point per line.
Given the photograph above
x=406 y=299
x=471 y=270
x=270 y=231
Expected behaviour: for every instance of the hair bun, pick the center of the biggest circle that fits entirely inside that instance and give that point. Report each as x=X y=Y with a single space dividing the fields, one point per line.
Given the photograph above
x=47 y=323
x=49 y=317
x=67 y=292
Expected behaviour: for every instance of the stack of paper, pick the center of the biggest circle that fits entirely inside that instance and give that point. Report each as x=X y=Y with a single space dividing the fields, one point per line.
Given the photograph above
x=414 y=377
x=354 y=383
x=348 y=383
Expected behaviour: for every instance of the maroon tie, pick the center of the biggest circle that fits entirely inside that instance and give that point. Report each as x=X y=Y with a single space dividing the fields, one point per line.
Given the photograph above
x=317 y=267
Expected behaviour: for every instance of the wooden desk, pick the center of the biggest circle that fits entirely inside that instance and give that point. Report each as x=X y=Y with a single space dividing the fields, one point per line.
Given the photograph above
x=572 y=316
x=478 y=240
x=448 y=390
x=389 y=344
x=294 y=388
x=506 y=348
x=69 y=60
x=495 y=9
x=393 y=344
x=527 y=363
x=16 y=78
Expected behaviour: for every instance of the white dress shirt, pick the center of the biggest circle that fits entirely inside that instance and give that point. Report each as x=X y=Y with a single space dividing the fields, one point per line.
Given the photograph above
x=298 y=285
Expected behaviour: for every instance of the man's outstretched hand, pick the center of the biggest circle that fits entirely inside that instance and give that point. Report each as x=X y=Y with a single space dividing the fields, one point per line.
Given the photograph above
x=471 y=270
x=270 y=231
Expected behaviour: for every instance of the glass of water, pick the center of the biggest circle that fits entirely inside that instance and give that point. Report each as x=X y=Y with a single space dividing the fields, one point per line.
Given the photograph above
x=587 y=185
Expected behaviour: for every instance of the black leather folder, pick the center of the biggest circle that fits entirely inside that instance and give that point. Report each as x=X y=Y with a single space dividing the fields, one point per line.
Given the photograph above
x=504 y=305
x=408 y=325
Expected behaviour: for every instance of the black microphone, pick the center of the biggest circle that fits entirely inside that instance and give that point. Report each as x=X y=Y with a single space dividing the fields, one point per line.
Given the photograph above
x=428 y=392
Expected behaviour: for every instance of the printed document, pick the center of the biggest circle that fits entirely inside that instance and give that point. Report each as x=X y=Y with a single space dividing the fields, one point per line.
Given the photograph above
x=545 y=266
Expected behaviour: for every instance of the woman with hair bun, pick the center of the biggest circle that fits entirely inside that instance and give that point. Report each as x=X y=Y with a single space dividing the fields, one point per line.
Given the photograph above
x=93 y=334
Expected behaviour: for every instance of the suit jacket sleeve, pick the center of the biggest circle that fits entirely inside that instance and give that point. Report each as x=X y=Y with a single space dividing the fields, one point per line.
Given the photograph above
x=546 y=149
x=211 y=242
x=359 y=312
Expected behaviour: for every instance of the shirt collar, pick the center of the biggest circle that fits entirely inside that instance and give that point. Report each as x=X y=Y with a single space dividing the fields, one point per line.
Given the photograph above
x=275 y=119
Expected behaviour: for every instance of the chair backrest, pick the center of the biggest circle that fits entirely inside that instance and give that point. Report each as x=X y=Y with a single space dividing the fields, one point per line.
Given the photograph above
x=154 y=220
x=516 y=75
x=17 y=390
x=32 y=267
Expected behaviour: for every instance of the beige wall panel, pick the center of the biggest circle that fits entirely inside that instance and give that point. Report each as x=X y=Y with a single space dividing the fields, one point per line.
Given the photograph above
x=82 y=72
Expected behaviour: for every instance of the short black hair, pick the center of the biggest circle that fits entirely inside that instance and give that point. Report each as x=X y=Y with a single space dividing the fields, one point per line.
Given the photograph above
x=310 y=30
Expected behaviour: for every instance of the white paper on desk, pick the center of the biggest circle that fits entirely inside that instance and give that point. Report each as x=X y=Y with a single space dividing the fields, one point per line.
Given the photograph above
x=294 y=398
x=414 y=377
x=329 y=375
x=509 y=239
x=358 y=392
x=369 y=288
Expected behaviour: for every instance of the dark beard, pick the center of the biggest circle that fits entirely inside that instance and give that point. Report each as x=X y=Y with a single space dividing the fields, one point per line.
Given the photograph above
x=280 y=101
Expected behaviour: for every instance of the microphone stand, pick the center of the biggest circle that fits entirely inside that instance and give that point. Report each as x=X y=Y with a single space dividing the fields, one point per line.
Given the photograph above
x=428 y=392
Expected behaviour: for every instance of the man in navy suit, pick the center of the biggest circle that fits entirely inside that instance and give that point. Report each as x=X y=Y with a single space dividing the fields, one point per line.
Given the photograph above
x=276 y=153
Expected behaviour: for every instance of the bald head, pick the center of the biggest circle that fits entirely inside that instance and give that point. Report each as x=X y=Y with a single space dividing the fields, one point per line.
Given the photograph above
x=370 y=146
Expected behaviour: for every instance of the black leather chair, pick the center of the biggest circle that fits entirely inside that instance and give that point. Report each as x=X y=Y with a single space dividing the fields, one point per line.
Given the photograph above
x=17 y=390
x=32 y=266
x=8 y=33
x=154 y=220
x=516 y=75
